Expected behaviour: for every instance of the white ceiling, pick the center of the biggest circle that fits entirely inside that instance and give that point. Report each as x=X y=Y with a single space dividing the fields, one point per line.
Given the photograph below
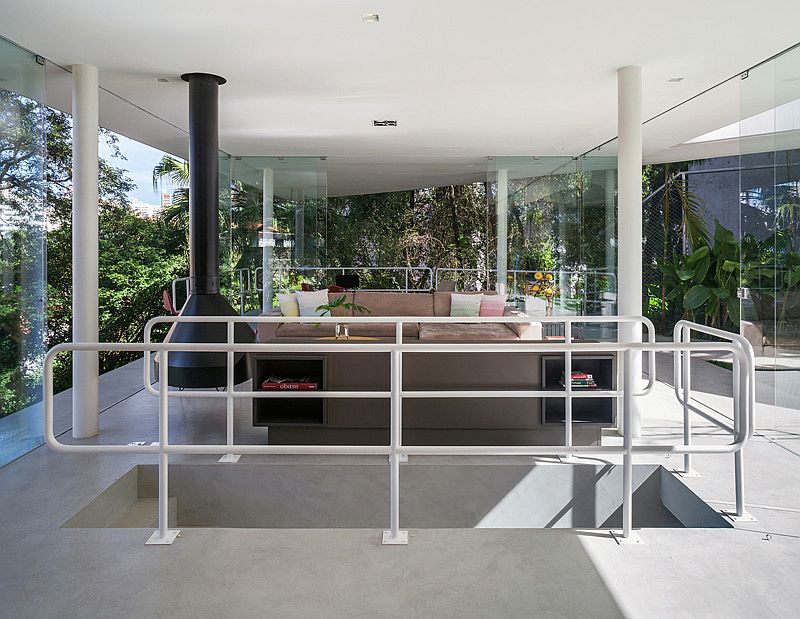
x=463 y=78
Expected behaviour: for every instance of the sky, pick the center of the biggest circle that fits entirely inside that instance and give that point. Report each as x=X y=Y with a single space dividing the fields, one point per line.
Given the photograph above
x=140 y=160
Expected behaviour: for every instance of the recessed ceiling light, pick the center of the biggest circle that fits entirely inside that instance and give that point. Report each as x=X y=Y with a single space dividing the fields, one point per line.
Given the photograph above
x=162 y=80
x=384 y=123
x=368 y=18
x=675 y=79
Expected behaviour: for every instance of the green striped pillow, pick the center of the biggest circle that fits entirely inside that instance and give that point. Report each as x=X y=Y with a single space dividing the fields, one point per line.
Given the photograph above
x=467 y=305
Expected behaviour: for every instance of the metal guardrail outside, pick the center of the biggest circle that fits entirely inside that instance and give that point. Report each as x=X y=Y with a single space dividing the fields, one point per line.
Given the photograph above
x=742 y=407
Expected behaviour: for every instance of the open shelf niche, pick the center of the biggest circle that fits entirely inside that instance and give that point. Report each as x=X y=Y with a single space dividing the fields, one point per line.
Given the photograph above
x=294 y=411
x=599 y=411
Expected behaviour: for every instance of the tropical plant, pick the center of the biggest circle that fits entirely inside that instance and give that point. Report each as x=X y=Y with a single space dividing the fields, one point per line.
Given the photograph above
x=341 y=302
x=706 y=280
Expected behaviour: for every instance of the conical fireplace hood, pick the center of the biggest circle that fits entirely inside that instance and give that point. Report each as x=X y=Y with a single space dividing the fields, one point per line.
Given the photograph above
x=205 y=369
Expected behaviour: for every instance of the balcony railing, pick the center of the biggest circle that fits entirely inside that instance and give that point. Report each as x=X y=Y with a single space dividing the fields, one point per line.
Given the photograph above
x=735 y=346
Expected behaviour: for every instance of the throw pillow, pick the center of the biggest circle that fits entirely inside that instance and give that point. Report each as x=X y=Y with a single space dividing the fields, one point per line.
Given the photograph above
x=467 y=305
x=288 y=304
x=308 y=302
x=493 y=305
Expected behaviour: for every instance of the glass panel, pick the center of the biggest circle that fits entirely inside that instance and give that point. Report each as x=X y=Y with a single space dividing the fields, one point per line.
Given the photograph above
x=757 y=219
x=22 y=268
x=284 y=230
x=787 y=245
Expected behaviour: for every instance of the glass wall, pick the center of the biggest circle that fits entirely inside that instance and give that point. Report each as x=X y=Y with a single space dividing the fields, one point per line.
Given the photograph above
x=22 y=265
x=560 y=221
x=769 y=190
x=279 y=219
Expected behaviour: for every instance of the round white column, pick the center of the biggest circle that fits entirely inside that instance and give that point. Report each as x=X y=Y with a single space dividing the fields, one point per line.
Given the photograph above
x=85 y=322
x=502 y=230
x=268 y=236
x=629 y=251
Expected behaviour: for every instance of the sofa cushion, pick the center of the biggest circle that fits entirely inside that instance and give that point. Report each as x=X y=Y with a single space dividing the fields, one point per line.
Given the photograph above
x=375 y=329
x=305 y=329
x=340 y=311
x=466 y=332
x=383 y=329
x=310 y=301
x=465 y=304
x=395 y=303
x=441 y=301
x=288 y=304
x=493 y=304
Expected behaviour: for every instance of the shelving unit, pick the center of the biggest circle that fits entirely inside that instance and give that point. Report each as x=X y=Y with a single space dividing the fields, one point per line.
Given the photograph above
x=598 y=412
x=288 y=411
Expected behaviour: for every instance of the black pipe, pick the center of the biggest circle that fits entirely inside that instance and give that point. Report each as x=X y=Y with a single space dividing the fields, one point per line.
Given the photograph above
x=203 y=182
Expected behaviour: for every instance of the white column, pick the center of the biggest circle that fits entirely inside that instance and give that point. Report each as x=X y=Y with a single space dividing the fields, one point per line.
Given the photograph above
x=268 y=236
x=84 y=248
x=502 y=230
x=610 y=203
x=629 y=251
x=300 y=229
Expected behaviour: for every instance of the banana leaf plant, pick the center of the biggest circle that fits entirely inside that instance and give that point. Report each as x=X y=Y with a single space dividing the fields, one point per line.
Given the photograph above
x=707 y=279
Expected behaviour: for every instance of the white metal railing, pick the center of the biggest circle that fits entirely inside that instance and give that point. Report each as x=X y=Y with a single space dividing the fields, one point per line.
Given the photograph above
x=742 y=407
x=742 y=389
x=245 y=285
x=405 y=270
x=516 y=276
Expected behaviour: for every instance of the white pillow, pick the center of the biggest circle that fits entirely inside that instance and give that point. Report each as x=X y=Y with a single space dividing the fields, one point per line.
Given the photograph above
x=288 y=304
x=308 y=302
x=467 y=305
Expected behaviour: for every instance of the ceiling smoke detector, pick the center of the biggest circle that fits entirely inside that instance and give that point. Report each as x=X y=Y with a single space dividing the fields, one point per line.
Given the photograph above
x=162 y=80
x=675 y=80
x=384 y=123
x=370 y=18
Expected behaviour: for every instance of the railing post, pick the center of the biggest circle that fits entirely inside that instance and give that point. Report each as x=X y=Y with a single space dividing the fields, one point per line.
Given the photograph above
x=686 y=377
x=163 y=535
x=568 y=388
x=627 y=442
x=230 y=456
x=394 y=536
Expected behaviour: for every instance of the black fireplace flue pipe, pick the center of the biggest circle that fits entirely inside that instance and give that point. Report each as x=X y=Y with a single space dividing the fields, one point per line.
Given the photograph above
x=203 y=182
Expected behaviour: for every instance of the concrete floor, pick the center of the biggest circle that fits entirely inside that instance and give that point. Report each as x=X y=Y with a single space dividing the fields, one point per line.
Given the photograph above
x=747 y=571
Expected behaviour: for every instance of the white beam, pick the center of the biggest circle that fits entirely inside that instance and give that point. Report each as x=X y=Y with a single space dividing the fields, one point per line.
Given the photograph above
x=268 y=236
x=85 y=324
x=629 y=251
x=502 y=230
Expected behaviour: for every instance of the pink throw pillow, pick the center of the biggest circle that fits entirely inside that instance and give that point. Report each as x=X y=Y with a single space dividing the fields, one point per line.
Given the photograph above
x=493 y=305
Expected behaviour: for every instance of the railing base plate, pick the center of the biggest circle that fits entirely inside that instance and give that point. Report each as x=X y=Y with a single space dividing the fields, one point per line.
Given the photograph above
x=230 y=458
x=570 y=459
x=390 y=540
x=633 y=538
x=745 y=517
x=400 y=458
x=687 y=474
x=156 y=540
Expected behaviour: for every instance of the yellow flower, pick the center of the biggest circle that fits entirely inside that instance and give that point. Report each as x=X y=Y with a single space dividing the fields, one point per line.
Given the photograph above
x=549 y=277
x=537 y=275
x=536 y=288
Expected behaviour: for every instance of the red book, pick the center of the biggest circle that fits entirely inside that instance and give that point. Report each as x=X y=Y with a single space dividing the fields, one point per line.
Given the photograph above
x=288 y=386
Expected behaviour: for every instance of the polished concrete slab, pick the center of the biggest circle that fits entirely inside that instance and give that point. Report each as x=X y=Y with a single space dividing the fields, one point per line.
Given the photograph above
x=746 y=571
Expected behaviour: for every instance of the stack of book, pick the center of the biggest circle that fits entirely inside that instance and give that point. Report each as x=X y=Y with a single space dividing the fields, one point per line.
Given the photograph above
x=580 y=380
x=303 y=383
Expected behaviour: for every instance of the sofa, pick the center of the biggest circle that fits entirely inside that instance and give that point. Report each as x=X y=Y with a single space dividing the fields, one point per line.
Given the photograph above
x=405 y=304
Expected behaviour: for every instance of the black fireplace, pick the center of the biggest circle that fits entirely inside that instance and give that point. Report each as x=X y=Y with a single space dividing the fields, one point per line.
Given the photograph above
x=205 y=369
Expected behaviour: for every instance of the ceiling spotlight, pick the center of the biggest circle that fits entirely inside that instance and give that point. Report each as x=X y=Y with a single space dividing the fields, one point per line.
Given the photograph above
x=370 y=18
x=674 y=80
x=384 y=123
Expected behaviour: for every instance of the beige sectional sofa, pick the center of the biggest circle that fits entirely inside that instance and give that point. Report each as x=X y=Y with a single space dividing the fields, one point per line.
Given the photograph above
x=412 y=305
